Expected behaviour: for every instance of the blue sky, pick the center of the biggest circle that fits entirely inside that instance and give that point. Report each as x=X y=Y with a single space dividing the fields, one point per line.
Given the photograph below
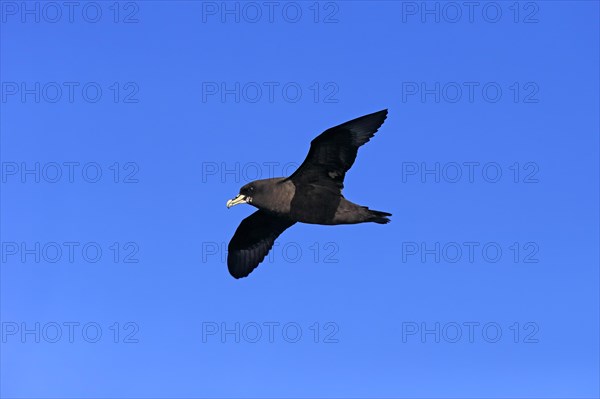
x=125 y=127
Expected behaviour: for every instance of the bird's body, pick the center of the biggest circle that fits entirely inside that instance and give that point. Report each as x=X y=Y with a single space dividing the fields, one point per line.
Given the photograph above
x=312 y=194
x=309 y=204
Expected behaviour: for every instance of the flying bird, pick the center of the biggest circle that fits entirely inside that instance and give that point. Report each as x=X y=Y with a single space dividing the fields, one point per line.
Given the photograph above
x=312 y=194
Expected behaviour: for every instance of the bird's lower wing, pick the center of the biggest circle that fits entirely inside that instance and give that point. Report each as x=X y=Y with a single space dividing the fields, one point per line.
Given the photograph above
x=253 y=240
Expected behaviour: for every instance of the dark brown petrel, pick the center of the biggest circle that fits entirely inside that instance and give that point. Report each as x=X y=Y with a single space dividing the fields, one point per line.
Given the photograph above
x=312 y=194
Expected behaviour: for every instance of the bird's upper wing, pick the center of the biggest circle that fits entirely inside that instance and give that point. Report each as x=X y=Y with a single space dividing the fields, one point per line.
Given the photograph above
x=252 y=241
x=333 y=152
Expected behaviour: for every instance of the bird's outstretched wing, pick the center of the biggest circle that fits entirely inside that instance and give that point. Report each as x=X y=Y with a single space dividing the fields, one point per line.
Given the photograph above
x=333 y=152
x=253 y=240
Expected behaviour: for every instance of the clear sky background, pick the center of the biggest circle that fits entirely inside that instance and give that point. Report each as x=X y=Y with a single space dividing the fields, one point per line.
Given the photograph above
x=125 y=127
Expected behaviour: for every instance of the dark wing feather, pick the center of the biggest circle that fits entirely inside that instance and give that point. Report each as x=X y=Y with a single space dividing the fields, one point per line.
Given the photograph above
x=253 y=240
x=333 y=152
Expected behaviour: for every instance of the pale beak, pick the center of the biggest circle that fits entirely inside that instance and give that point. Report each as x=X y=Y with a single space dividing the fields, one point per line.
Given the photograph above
x=240 y=199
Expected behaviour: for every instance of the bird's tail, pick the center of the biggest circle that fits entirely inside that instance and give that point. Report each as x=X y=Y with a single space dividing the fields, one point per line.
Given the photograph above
x=378 y=216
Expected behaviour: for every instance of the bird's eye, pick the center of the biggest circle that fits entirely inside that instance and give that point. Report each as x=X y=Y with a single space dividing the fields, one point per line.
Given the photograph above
x=251 y=189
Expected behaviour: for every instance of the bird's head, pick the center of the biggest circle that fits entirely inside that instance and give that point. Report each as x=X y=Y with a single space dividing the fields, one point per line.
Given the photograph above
x=251 y=193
